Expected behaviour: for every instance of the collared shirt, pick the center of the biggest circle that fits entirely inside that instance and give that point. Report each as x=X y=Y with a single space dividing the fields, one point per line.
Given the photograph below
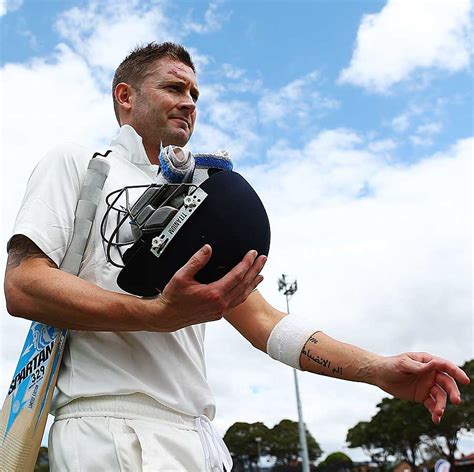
x=169 y=367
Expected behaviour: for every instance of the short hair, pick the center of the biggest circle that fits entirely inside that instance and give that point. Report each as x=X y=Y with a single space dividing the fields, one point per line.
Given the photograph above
x=134 y=67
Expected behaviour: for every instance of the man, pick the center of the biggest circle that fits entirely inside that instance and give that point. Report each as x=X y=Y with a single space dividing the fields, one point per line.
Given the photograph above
x=132 y=392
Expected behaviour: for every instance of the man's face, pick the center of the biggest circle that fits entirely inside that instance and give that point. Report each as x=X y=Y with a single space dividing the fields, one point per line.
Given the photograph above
x=164 y=109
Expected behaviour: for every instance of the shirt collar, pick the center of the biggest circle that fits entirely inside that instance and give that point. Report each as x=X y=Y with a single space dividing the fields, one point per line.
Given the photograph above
x=129 y=144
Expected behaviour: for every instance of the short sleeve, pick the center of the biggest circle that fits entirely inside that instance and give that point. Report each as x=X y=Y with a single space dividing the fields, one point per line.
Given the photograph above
x=46 y=215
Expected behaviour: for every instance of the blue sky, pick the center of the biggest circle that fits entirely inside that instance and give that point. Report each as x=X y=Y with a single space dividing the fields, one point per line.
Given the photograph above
x=272 y=44
x=352 y=119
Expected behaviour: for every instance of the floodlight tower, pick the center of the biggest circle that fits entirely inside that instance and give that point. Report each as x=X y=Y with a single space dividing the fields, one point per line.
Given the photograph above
x=288 y=288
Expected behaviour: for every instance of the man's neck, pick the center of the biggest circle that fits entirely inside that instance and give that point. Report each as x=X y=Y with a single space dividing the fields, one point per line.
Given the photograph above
x=152 y=153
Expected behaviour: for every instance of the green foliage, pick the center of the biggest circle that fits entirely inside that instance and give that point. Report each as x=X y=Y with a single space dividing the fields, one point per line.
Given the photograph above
x=396 y=429
x=284 y=443
x=281 y=441
x=240 y=438
x=336 y=458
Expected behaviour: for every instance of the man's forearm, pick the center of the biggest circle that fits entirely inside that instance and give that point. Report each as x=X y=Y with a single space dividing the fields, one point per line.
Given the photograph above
x=37 y=290
x=326 y=356
x=62 y=300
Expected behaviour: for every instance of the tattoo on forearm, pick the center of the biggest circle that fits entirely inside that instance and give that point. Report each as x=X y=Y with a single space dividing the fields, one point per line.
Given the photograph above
x=22 y=248
x=326 y=363
x=319 y=360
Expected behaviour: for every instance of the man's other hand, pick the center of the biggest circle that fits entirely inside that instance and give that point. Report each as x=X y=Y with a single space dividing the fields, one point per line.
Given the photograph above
x=422 y=377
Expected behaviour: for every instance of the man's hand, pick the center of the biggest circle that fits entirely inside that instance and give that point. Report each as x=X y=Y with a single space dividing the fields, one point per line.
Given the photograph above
x=185 y=302
x=422 y=378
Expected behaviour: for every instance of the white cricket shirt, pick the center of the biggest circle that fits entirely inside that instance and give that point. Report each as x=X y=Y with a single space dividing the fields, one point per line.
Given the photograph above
x=169 y=367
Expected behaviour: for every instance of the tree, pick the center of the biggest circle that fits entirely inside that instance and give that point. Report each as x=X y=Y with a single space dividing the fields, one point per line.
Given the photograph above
x=335 y=462
x=284 y=442
x=240 y=439
x=396 y=429
x=404 y=424
x=365 y=436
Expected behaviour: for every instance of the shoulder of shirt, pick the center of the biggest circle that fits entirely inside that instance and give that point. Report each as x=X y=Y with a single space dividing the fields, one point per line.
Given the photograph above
x=69 y=152
x=69 y=148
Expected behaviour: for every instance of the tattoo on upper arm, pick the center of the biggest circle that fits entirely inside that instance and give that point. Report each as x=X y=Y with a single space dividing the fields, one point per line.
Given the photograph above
x=22 y=248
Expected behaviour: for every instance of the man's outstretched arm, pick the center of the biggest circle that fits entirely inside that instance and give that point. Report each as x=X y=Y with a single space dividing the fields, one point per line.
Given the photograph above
x=419 y=377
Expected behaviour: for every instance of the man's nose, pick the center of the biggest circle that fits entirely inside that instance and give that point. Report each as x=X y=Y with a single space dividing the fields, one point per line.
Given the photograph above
x=187 y=103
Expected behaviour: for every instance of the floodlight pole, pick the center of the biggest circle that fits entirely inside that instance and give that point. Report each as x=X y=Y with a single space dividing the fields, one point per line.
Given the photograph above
x=288 y=288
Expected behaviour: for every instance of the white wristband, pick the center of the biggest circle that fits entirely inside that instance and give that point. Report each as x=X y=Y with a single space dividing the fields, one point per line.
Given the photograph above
x=287 y=339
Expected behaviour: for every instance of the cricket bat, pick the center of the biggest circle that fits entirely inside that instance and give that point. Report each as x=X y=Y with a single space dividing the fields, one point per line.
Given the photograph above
x=25 y=410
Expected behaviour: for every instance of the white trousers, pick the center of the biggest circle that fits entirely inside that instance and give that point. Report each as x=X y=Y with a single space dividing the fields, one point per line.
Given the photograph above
x=132 y=433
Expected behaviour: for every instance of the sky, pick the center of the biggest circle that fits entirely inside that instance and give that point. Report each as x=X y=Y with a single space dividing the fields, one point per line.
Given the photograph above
x=353 y=121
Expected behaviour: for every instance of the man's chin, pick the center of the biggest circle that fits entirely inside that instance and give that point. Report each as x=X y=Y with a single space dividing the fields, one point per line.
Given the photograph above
x=177 y=138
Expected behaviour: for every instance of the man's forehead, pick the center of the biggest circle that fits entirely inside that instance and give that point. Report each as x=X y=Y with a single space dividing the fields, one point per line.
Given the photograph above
x=168 y=68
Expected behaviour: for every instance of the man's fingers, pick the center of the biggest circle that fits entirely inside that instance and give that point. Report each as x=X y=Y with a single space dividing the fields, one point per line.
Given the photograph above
x=449 y=386
x=243 y=296
x=435 y=403
x=443 y=365
x=237 y=274
x=440 y=397
x=430 y=405
x=196 y=263
x=252 y=278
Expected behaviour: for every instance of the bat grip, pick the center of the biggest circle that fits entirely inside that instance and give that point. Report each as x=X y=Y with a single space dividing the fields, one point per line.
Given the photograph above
x=96 y=175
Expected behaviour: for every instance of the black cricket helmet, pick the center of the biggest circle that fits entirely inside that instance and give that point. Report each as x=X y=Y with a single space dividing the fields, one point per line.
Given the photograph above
x=170 y=222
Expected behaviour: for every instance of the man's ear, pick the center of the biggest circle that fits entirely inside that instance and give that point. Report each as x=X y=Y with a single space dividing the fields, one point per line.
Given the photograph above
x=123 y=95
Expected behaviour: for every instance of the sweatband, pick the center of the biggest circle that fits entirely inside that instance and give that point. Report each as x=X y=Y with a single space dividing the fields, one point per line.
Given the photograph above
x=287 y=339
x=177 y=163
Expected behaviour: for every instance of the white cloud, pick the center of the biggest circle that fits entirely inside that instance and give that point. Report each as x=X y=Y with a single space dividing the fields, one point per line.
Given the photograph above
x=406 y=37
x=232 y=72
x=403 y=121
x=224 y=124
x=390 y=272
x=7 y=6
x=296 y=102
x=104 y=33
x=382 y=145
x=232 y=124
x=425 y=133
x=214 y=18
x=421 y=122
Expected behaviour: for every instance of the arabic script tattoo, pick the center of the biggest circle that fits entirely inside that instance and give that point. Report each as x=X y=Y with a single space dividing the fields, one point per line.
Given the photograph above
x=326 y=363
x=319 y=360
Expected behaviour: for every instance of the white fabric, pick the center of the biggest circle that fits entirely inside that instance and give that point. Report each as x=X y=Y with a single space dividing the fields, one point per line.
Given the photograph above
x=287 y=339
x=130 y=433
x=215 y=451
x=169 y=367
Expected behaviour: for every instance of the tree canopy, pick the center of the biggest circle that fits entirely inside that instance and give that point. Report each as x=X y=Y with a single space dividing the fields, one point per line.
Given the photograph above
x=281 y=441
x=335 y=461
x=240 y=438
x=284 y=442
